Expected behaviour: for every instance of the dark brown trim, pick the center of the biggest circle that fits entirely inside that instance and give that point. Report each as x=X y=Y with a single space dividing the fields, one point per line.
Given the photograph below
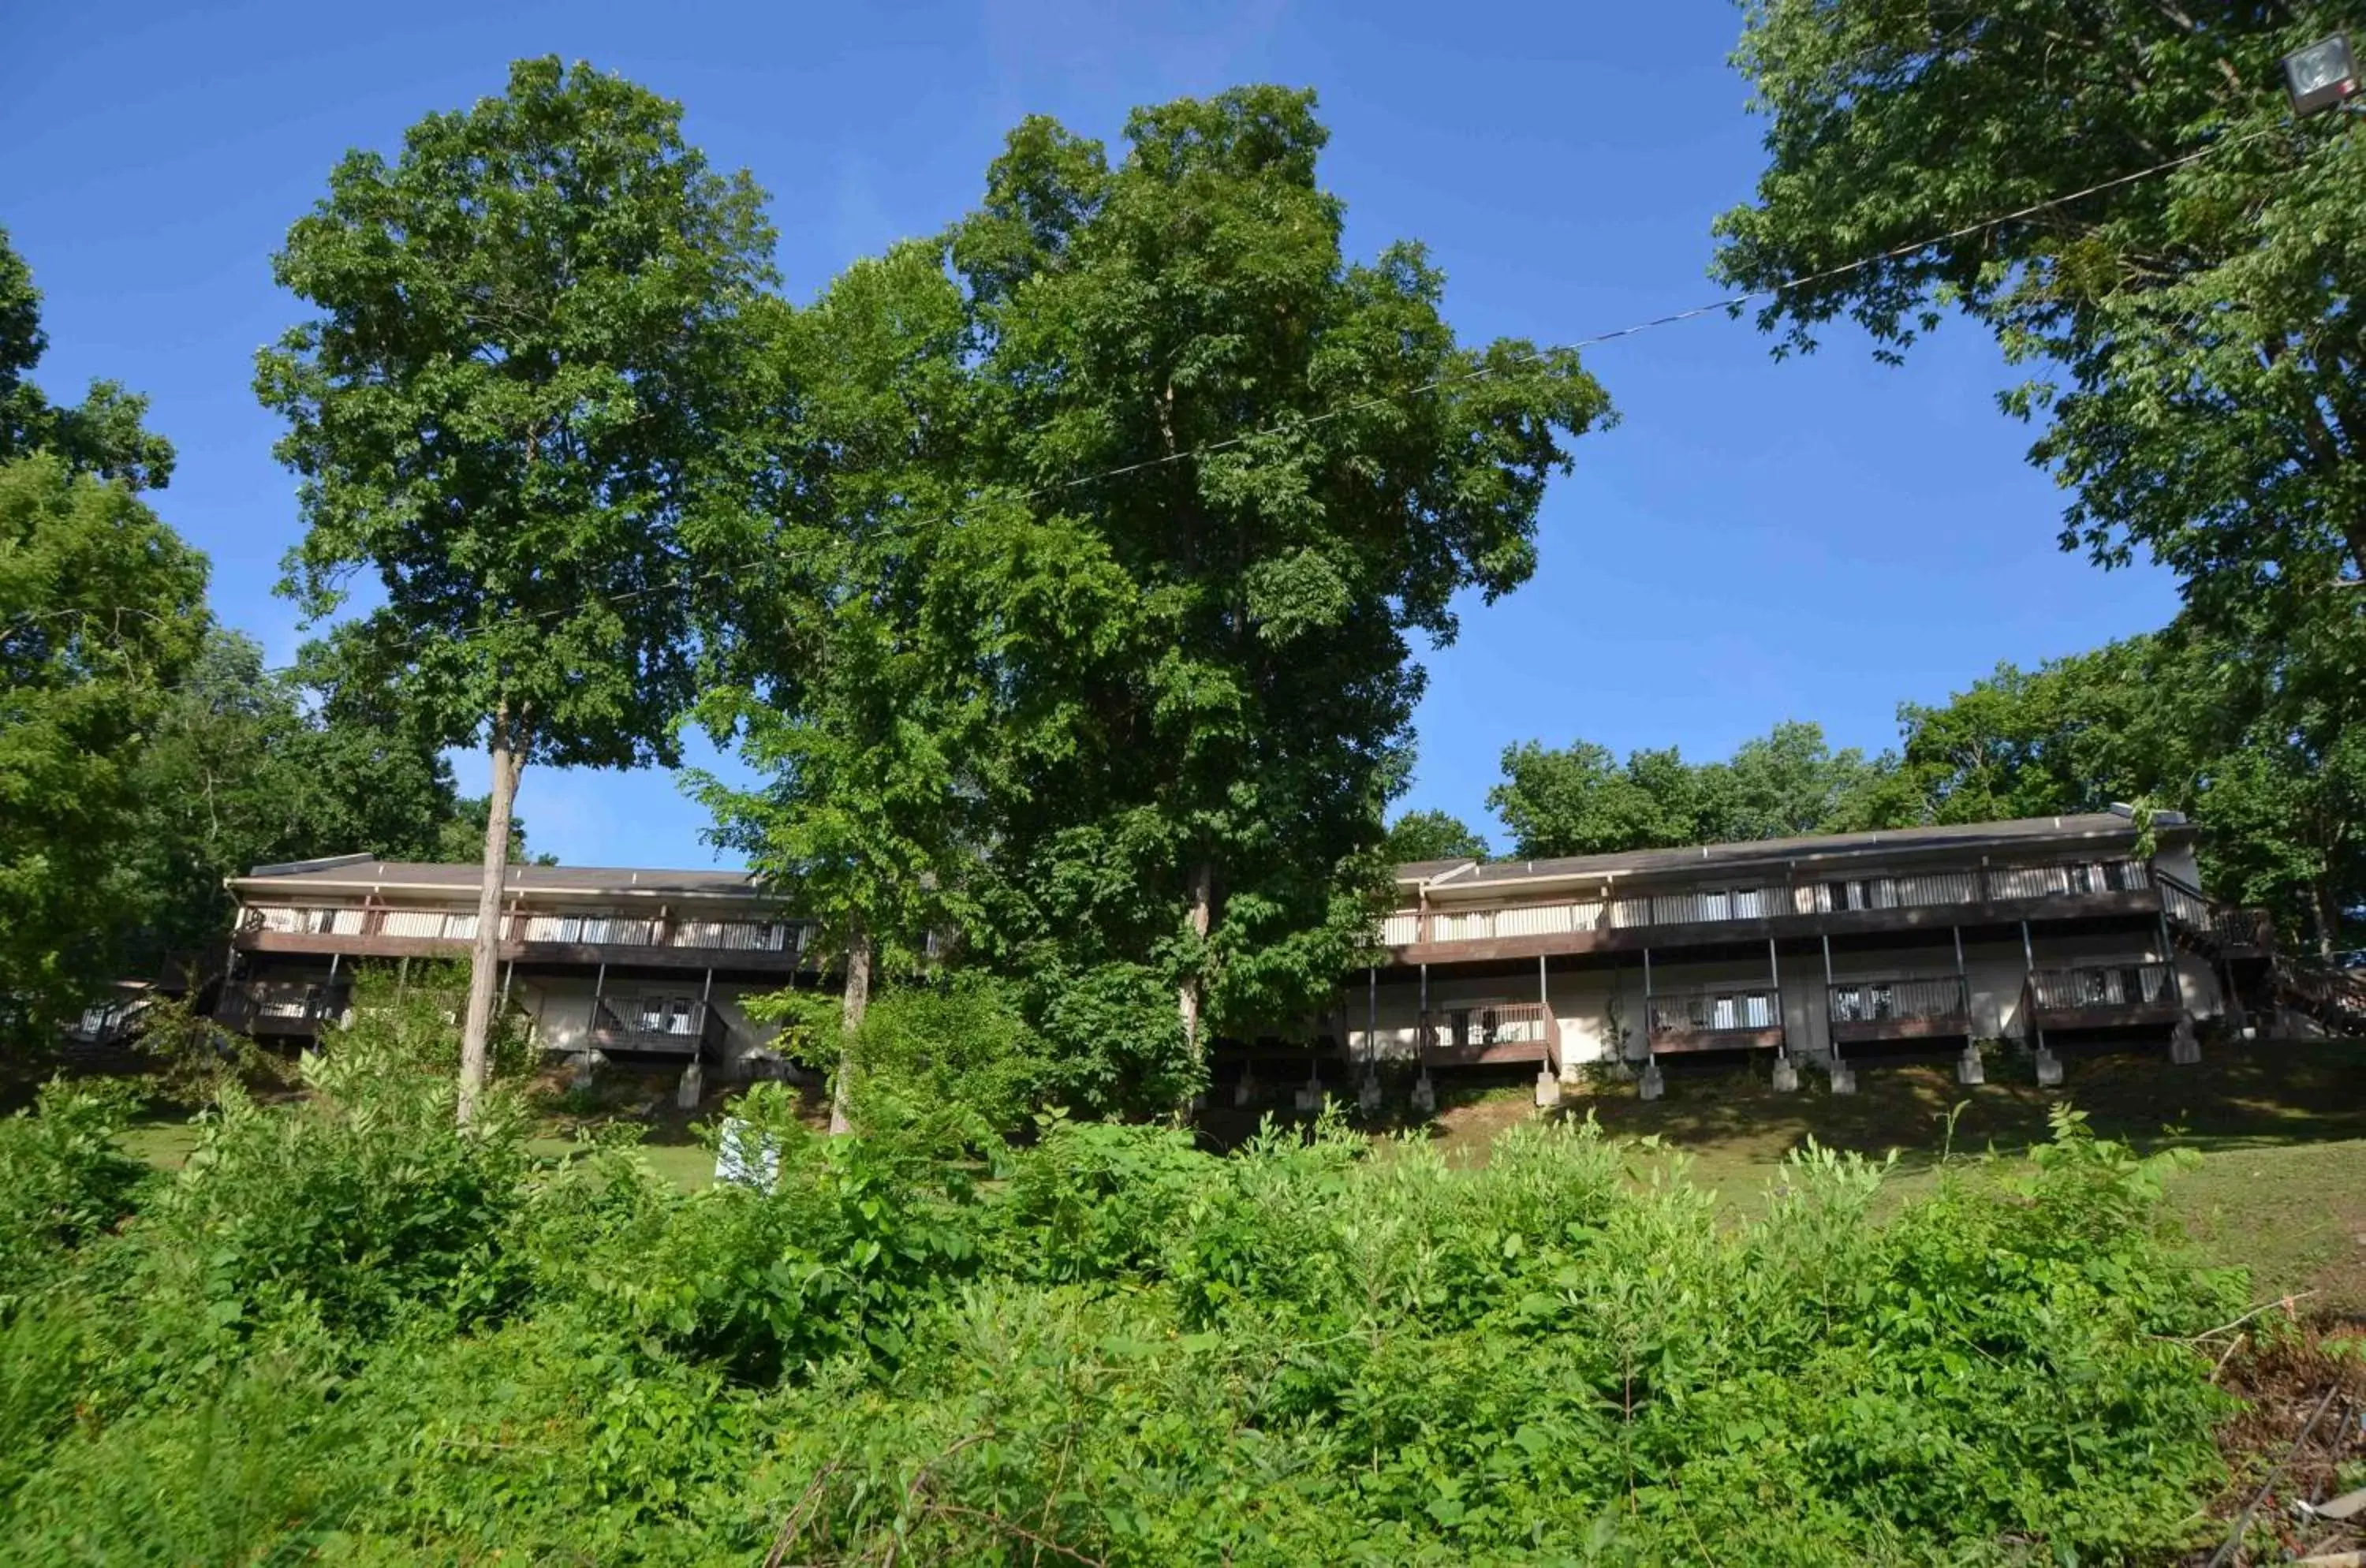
x=2106 y=1015
x=1936 y=918
x=1864 y=1030
x=552 y=954
x=1476 y=1055
x=1672 y=1039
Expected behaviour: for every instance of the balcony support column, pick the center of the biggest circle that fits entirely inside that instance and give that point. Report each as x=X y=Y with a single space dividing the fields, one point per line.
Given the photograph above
x=1786 y=1073
x=1843 y=1077
x=1424 y=1093
x=1367 y=1093
x=2049 y=1065
x=1652 y=1086
x=1972 y=1070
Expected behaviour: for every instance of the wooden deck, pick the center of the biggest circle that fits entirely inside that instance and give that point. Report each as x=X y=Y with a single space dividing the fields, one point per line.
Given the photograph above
x=1757 y=930
x=1716 y=1018
x=2104 y=996
x=1666 y=1040
x=1491 y=1035
x=1908 y=1007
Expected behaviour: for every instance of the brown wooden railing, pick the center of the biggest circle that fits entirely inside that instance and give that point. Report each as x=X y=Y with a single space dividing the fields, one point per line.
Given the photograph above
x=1714 y=1017
x=1943 y=998
x=264 y=1007
x=1742 y=900
x=568 y=929
x=2334 y=997
x=2224 y=925
x=696 y=1031
x=2138 y=986
x=1496 y=1031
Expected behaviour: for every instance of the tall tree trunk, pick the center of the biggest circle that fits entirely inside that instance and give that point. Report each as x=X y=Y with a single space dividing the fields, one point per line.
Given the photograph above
x=858 y=1002
x=485 y=952
x=2327 y=917
x=1203 y=913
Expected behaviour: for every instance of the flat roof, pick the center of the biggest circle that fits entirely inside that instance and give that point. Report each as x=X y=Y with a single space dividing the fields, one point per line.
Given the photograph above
x=345 y=874
x=1467 y=875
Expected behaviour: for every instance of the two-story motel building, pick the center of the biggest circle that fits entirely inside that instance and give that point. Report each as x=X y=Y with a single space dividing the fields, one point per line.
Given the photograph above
x=1824 y=949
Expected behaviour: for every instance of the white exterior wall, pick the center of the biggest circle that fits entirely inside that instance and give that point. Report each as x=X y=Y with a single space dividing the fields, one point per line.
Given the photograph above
x=560 y=1007
x=1994 y=971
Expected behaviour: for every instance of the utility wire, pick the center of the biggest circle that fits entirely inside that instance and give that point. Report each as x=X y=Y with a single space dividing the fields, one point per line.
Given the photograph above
x=1729 y=302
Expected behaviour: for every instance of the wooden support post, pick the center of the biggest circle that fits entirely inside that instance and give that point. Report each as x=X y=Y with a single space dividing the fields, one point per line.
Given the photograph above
x=1420 y=1041
x=706 y=1011
x=2028 y=988
x=1371 y=1019
x=1647 y=1003
x=1831 y=1046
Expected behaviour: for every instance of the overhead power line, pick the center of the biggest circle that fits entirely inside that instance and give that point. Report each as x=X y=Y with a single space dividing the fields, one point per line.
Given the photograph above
x=1480 y=373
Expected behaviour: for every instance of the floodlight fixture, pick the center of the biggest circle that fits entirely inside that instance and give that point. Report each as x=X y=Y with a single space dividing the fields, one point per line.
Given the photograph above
x=2322 y=77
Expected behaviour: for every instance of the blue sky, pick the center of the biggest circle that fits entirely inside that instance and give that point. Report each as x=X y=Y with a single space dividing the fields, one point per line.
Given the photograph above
x=1816 y=538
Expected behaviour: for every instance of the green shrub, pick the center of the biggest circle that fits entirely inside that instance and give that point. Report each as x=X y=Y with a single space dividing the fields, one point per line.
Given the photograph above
x=349 y=1334
x=63 y=1181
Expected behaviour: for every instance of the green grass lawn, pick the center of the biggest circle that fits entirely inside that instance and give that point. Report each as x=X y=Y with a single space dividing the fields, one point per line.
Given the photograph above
x=2280 y=1128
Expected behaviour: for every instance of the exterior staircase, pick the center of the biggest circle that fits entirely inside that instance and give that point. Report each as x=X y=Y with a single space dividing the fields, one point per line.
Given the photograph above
x=2242 y=944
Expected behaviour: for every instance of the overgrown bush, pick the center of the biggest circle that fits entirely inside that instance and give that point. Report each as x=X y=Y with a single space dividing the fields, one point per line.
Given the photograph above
x=62 y=1179
x=350 y=1332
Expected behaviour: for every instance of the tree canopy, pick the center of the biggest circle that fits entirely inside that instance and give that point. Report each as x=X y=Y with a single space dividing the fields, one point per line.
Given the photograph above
x=1431 y=835
x=2194 y=335
x=102 y=607
x=246 y=765
x=2255 y=749
x=517 y=411
x=102 y=435
x=1267 y=470
x=1582 y=800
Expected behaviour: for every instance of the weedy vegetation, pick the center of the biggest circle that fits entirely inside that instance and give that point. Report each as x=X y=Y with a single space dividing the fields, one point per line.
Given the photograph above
x=347 y=1332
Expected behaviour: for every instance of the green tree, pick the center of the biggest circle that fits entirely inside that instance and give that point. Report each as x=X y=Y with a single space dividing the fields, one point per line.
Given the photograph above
x=102 y=608
x=1294 y=468
x=1789 y=781
x=2195 y=334
x=2256 y=747
x=866 y=616
x=102 y=435
x=519 y=412
x=1431 y=835
x=246 y=765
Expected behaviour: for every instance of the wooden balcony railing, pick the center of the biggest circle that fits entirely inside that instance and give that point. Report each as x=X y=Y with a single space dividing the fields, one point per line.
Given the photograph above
x=282 y=1007
x=696 y=1029
x=1717 y=1018
x=553 y=929
x=2104 y=996
x=1496 y=1033
x=2225 y=926
x=1711 y=907
x=1912 y=1008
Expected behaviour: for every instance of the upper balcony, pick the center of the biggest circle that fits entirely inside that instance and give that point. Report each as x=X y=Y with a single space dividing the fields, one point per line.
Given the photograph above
x=660 y=940
x=1738 y=910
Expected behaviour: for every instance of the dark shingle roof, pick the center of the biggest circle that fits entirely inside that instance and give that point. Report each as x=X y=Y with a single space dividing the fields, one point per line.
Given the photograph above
x=2019 y=833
